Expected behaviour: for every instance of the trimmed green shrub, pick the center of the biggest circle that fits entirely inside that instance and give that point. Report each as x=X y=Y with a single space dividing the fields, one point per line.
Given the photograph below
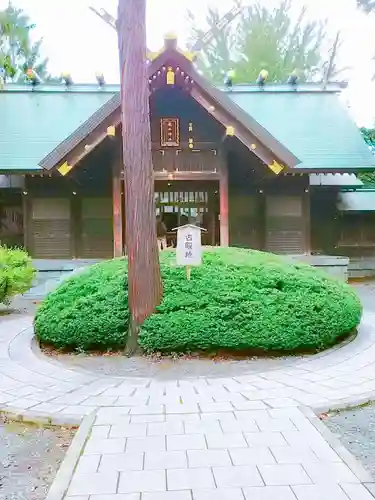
x=241 y=299
x=16 y=273
x=238 y=300
x=88 y=310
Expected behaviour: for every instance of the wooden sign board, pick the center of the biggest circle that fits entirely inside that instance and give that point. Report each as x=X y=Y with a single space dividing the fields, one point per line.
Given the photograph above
x=189 y=245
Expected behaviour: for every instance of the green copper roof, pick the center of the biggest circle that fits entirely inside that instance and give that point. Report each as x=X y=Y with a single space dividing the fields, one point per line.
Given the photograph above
x=311 y=123
x=314 y=126
x=32 y=124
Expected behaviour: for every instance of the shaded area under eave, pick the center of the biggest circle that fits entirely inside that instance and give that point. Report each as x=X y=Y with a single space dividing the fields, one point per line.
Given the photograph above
x=357 y=201
x=315 y=126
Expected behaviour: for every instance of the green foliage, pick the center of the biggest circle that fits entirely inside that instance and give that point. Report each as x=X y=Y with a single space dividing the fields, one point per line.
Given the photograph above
x=368 y=178
x=18 y=51
x=16 y=273
x=275 y=39
x=243 y=299
x=88 y=310
x=238 y=299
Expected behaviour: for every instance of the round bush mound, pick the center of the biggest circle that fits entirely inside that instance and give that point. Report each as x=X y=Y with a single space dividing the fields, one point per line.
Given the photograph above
x=88 y=310
x=237 y=300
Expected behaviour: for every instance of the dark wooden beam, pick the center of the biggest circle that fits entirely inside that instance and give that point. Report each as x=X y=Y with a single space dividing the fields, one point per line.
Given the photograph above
x=224 y=202
x=186 y=176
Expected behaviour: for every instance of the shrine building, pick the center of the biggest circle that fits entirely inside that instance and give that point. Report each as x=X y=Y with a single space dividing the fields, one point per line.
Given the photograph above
x=269 y=167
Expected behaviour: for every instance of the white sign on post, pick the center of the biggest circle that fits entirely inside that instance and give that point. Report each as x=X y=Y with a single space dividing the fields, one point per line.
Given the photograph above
x=189 y=247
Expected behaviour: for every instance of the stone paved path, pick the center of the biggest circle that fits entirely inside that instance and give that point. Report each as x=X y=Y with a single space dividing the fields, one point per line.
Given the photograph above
x=240 y=436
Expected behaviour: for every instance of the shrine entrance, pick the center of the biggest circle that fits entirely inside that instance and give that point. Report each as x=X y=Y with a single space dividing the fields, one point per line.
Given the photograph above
x=189 y=202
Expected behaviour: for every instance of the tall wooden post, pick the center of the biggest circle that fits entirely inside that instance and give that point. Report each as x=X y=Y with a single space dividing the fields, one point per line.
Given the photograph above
x=144 y=276
x=224 y=202
x=118 y=244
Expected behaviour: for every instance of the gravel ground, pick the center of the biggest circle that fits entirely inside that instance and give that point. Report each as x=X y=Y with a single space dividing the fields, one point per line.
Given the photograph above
x=29 y=459
x=356 y=430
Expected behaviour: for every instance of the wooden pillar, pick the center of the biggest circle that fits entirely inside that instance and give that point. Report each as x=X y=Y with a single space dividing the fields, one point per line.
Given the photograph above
x=224 y=202
x=26 y=209
x=307 y=219
x=117 y=210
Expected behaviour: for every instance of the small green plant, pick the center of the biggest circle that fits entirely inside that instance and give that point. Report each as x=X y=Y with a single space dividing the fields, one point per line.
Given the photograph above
x=237 y=300
x=16 y=273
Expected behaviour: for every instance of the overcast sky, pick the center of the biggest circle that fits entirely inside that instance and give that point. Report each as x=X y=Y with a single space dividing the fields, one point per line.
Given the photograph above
x=77 y=41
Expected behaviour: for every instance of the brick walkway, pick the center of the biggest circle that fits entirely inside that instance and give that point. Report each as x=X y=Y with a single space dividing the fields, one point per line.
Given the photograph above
x=245 y=436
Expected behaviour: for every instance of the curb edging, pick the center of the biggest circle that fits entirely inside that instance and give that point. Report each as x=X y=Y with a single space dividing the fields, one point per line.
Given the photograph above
x=40 y=418
x=65 y=473
x=346 y=456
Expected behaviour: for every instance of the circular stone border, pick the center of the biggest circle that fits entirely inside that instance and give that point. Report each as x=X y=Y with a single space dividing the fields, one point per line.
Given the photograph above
x=31 y=383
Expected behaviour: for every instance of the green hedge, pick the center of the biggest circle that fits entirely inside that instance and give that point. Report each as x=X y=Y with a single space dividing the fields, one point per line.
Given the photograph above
x=238 y=299
x=88 y=310
x=16 y=273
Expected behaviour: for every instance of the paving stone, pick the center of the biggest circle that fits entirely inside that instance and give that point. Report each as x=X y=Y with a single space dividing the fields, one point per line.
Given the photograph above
x=208 y=458
x=203 y=427
x=239 y=426
x=189 y=417
x=147 y=410
x=186 y=442
x=142 y=481
x=100 y=431
x=165 y=428
x=81 y=497
x=221 y=417
x=274 y=424
x=283 y=475
x=252 y=456
x=293 y=454
x=167 y=495
x=149 y=443
x=95 y=483
x=249 y=405
x=87 y=464
x=128 y=430
x=356 y=491
x=320 y=492
x=187 y=479
x=229 y=441
x=156 y=460
x=270 y=493
x=145 y=419
x=330 y=473
x=219 y=494
x=237 y=477
x=99 y=446
x=216 y=407
x=122 y=462
x=130 y=496
x=256 y=439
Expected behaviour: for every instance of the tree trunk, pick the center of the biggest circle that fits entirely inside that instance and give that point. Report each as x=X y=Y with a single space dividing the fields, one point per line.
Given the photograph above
x=145 y=286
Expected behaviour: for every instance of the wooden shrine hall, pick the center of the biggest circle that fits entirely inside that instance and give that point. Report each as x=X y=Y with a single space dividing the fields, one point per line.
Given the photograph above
x=248 y=162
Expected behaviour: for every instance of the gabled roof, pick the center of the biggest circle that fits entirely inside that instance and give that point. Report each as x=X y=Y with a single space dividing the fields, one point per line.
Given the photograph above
x=32 y=124
x=216 y=102
x=314 y=125
x=307 y=129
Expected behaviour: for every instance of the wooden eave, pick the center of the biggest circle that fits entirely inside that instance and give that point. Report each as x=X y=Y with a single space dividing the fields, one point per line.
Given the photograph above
x=217 y=103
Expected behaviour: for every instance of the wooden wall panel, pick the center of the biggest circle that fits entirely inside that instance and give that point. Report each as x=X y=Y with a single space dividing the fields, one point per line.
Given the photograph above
x=285 y=224
x=50 y=228
x=245 y=221
x=97 y=228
